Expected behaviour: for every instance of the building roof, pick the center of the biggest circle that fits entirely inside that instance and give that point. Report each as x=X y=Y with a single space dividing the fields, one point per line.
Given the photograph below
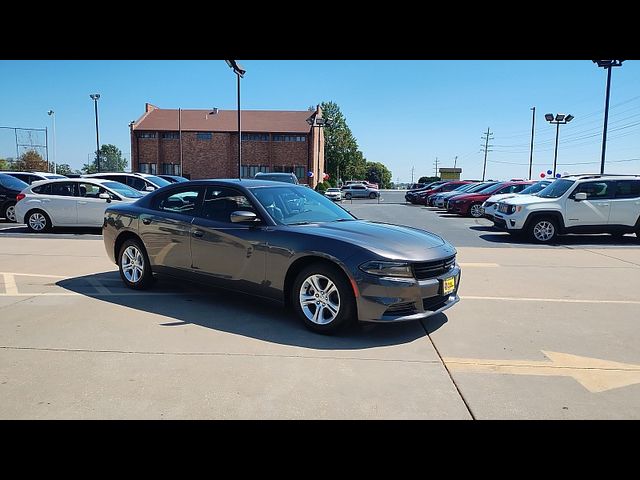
x=277 y=121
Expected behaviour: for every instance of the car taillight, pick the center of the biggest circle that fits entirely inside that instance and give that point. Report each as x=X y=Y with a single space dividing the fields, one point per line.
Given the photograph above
x=20 y=196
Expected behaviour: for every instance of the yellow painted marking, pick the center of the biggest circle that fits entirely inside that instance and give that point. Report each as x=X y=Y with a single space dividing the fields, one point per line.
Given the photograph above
x=594 y=374
x=98 y=286
x=558 y=300
x=32 y=275
x=467 y=265
x=10 y=286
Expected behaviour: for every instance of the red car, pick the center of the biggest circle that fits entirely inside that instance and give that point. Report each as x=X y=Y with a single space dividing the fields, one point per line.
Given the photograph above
x=471 y=203
x=423 y=197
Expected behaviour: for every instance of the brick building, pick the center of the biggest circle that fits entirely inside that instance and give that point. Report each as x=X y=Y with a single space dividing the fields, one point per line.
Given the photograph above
x=204 y=143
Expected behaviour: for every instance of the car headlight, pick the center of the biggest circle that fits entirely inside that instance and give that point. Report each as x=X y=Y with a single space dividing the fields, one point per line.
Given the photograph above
x=387 y=269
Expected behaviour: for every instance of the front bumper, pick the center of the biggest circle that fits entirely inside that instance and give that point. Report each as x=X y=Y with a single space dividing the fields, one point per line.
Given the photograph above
x=508 y=222
x=398 y=300
x=460 y=209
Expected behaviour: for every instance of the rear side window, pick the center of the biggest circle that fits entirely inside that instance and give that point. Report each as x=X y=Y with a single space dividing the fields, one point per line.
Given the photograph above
x=183 y=201
x=42 y=189
x=63 y=189
x=628 y=189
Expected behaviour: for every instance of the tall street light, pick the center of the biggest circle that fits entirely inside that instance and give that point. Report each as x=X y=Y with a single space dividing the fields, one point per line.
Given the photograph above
x=559 y=119
x=95 y=97
x=319 y=122
x=239 y=71
x=52 y=114
x=607 y=65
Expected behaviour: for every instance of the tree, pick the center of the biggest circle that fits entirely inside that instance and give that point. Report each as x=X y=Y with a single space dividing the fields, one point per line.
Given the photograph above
x=4 y=164
x=377 y=172
x=428 y=179
x=341 y=148
x=111 y=160
x=30 y=160
x=65 y=169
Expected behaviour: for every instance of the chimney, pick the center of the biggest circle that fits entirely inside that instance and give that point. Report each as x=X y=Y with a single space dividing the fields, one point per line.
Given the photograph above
x=148 y=107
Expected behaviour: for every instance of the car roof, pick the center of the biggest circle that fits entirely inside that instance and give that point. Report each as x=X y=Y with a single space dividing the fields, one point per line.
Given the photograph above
x=234 y=182
x=65 y=179
x=90 y=175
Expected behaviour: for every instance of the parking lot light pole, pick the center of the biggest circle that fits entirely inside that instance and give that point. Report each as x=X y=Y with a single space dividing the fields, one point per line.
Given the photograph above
x=95 y=97
x=607 y=65
x=557 y=120
x=239 y=71
x=52 y=114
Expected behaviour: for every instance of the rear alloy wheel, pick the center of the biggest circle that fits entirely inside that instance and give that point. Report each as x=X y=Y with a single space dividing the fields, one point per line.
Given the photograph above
x=372 y=195
x=10 y=212
x=133 y=263
x=37 y=221
x=323 y=299
x=347 y=196
x=543 y=230
x=475 y=210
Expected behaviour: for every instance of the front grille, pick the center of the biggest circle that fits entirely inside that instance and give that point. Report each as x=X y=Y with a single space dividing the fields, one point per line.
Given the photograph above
x=499 y=222
x=401 y=309
x=424 y=270
x=434 y=303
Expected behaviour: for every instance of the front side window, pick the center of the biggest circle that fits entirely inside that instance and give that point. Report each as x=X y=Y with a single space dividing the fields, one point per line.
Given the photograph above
x=628 y=189
x=63 y=189
x=89 y=190
x=220 y=202
x=123 y=190
x=182 y=201
x=595 y=190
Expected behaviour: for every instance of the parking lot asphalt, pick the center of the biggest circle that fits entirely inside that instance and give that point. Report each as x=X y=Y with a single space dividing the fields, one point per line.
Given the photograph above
x=541 y=332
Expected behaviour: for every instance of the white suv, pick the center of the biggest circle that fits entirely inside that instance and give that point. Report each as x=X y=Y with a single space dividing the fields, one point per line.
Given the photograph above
x=575 y=204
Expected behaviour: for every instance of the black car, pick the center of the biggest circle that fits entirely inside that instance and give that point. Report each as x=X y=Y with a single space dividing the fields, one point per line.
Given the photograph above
x=174 y=178
x=10 y=187
x=285 y=242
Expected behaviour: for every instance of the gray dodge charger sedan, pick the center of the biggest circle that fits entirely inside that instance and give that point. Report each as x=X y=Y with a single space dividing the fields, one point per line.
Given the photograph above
x=285 y=242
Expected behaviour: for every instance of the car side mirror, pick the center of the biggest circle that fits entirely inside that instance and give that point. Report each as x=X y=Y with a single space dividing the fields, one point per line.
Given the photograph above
x=580 y=196
x=149 y=188
x=105 y=196
x=242 y=216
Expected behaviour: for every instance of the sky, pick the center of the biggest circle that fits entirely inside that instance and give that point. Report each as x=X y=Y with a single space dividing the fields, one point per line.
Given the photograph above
x=402 y=113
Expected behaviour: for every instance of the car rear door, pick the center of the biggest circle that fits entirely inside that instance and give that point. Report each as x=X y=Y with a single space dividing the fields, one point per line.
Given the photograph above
x=61 y=204
x=595 y=209
x=232 y=254
x=625 y=206
x=359 y=191
x=165 y=228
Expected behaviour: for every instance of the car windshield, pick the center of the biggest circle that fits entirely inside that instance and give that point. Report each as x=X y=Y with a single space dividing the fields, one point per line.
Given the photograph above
x=490 y=189
x=333 y=190
x=556 y=189
x=52 y=176
x=479 y=187
x=12 y=183
x=293 y=205
x=122 y=189
x=535 y=188
x=161 y=182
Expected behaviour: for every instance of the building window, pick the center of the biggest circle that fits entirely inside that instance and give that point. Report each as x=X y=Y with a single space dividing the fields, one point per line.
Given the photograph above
x=170 y=169
x=249 y=171
x=300 y=172
x=204 y=135
x=147 y=135
x=258 y=137
x=151 y=168
x=170 y=135
x=289 y=138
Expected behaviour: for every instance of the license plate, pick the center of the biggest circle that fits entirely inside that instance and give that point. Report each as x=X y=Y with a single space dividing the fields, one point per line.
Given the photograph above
x=449 y=285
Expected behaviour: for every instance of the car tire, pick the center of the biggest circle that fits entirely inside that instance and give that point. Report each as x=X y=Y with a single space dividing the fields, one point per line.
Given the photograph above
x=372 y=195
x=134 y=266
x=37 y=221
x=347 y=196
x=329 y=313
x=9 y=212
x=475 y=210
x=543 y=229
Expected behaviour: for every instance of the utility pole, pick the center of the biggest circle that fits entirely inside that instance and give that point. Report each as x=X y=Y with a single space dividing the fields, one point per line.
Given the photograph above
x=436 y=167
x=455 y=160
x=485 y=148
x=412 y=169
x=533 y=126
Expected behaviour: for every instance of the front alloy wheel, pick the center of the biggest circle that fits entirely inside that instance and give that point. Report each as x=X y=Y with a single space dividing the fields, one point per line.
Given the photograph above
x=347 y=196
x=476 y=210
x=543 y=230
x=322 y=298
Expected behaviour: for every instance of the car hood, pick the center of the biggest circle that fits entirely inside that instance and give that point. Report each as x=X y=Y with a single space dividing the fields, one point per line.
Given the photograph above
x=471 y=197
x=529 y=199
x=389 y=241
x=502 y=196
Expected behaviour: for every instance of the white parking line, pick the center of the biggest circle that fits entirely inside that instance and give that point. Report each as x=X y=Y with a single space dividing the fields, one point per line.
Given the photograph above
x=467 y=265
x=33 y=275
x=10 y=286
x=556 y=300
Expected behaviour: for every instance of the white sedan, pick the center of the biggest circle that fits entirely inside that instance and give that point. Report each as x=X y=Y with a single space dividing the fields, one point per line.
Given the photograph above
x=70 y=202
x=334 y=194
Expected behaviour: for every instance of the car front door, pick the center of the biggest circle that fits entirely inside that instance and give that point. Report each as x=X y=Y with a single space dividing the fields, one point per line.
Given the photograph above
x=90 y=207
x=165 y=228
x=625 y=207
x=595 y=209
x=61 y=204
x=233 y=254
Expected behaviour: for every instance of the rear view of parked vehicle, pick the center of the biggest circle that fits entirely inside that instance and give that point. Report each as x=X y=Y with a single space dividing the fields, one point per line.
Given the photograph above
x=72 y=202
x=358 y=190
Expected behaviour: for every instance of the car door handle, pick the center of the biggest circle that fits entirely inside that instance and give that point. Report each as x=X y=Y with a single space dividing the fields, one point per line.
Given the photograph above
x=198 y=233
x=146 y=221
x=81 y=203
x=604 y=204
